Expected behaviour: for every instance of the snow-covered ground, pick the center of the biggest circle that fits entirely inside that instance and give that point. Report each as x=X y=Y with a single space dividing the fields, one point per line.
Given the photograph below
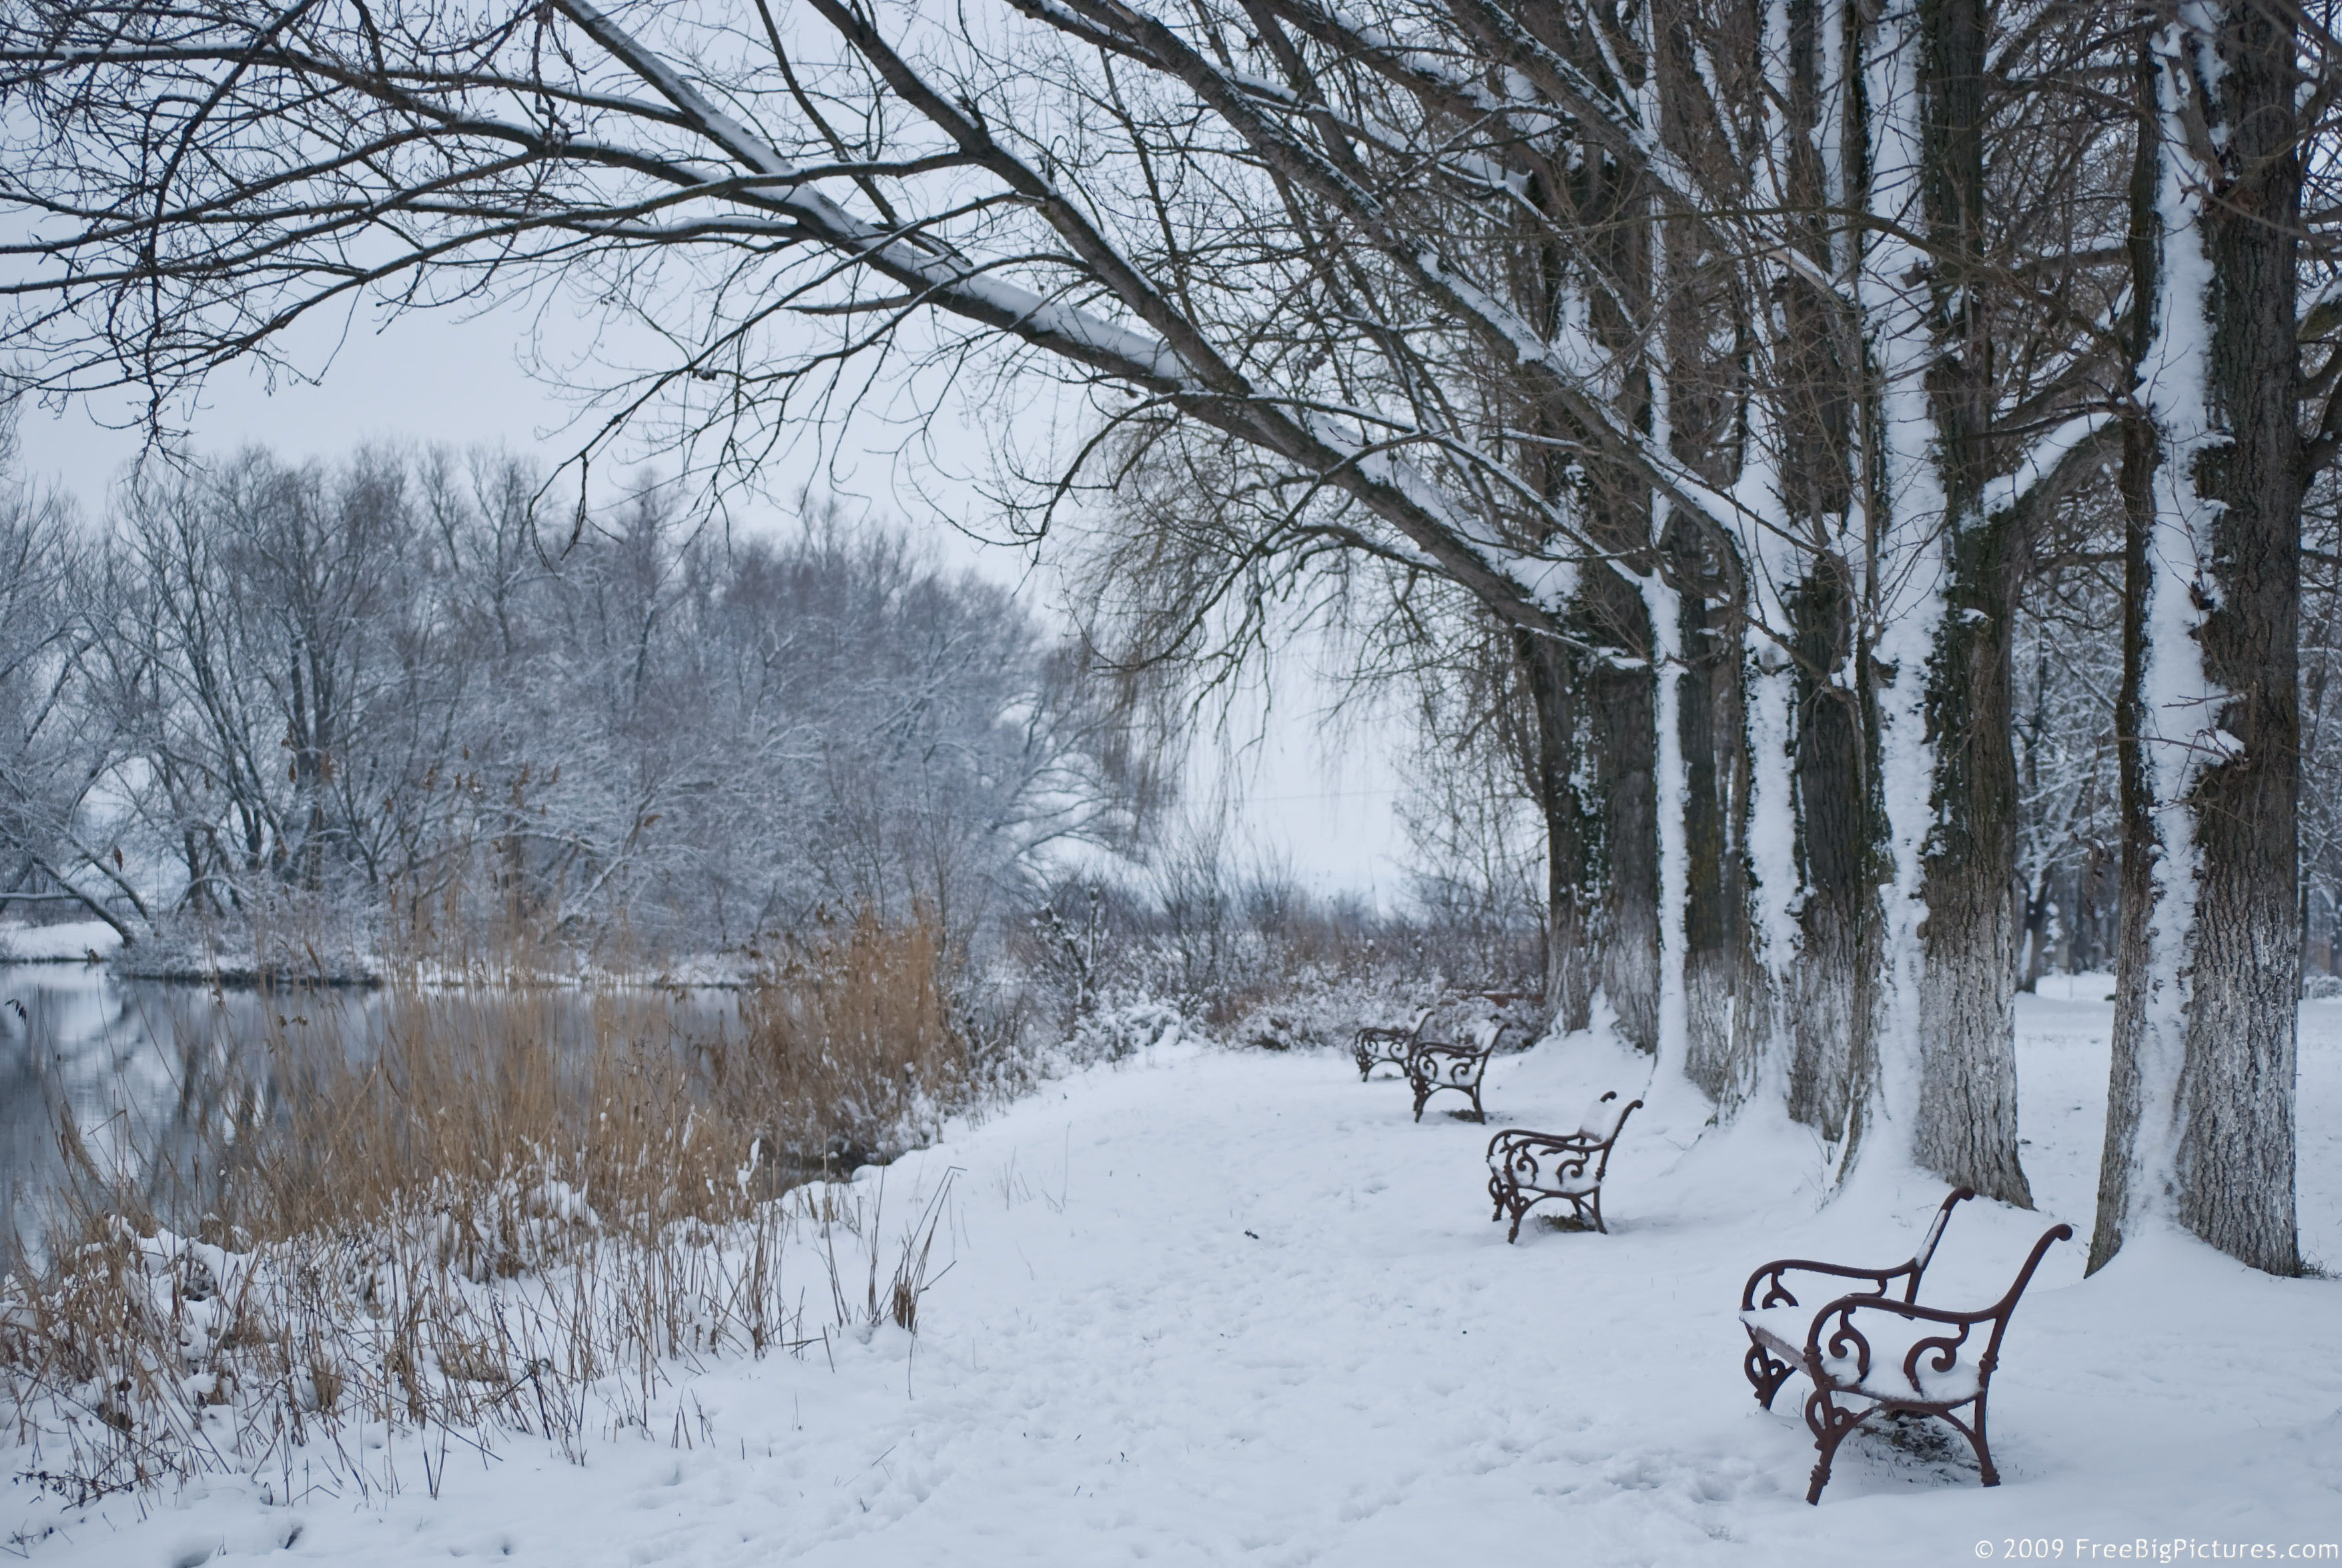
x=1207 y=1306
x=69 y=942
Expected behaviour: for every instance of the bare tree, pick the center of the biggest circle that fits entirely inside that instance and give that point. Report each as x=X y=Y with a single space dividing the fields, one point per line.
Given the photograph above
x=1629 y=325
x=49 y=759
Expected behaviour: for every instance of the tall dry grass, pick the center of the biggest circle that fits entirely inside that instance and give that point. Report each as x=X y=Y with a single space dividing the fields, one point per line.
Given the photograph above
x=461 y=1213
x=850 y=1038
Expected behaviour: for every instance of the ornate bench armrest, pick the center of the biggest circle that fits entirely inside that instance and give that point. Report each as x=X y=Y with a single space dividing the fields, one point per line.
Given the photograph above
x=1777 y=1294
x=1835 y=1336
x=1541 y=1158
x=1845 y=1338
x=1457 y=1057
x=1446 y=1064
x=1523 y=1138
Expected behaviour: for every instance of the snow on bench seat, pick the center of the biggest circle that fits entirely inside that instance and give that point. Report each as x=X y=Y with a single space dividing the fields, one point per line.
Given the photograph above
x=1525 y=1168
x=1889 y=1339
x=1857 y=1342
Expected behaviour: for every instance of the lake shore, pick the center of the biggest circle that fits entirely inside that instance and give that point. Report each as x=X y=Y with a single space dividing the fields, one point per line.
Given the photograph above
x=1207 y=1303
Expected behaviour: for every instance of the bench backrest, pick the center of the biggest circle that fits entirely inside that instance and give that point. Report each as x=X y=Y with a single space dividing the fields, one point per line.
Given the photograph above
x=1600 y=1123
x=1926 y=1252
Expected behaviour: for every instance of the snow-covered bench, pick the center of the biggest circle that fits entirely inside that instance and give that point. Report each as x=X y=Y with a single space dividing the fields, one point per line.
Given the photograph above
x=1877 y=1352
x=1432 y=1065
x=1377 y=1043
x=1525 y=1168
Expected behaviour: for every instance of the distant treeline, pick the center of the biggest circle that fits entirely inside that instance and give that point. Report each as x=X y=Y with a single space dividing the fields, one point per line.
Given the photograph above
x=406 y=703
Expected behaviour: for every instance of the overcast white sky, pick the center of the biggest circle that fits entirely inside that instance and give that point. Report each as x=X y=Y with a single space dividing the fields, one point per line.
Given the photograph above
x=1322 y=798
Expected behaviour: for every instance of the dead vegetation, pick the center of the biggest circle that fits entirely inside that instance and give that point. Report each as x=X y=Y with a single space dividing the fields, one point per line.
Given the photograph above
x=458 y=1220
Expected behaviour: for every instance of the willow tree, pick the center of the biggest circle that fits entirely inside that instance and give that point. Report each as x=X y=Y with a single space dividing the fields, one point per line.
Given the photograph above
x=1630 y=326
x=1278 y=227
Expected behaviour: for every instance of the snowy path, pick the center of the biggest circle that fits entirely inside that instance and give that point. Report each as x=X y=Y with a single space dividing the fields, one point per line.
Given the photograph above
x=1225 y=1306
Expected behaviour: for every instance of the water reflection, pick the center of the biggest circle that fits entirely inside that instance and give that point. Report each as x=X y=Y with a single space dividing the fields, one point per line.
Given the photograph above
x=145 y=1067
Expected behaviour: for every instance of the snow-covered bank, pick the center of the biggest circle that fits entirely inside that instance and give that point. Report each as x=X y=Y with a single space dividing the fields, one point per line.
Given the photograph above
x=69 y=941
x=1214 y=1305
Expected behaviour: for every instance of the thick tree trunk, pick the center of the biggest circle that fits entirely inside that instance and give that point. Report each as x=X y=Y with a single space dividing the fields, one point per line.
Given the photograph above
x=1547 y=671
x=1711 y=731
x=1832 y=1040
x=1828 y=992
x=2237 y=1151
x=1966 y=1125
x=1621 y=714
x=2200 y=1112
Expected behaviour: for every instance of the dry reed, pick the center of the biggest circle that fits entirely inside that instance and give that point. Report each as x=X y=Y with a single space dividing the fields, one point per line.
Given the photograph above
x=464 y=1219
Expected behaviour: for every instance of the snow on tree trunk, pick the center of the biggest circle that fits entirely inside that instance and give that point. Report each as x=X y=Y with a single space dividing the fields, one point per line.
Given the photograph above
x=2200 y=1109
x=1966 y=1123
x=1905 y=511
x=1545 y=664
x=1622 y=731
x=1672 y=1041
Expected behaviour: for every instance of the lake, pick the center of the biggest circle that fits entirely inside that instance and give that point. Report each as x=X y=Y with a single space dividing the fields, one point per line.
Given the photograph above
x=144 y=1066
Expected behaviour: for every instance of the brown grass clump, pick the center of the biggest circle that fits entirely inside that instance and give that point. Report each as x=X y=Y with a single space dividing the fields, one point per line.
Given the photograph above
x=850 y=1039
x=465 y=1212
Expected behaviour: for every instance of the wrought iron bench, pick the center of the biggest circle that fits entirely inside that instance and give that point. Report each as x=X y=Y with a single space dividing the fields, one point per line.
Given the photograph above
x=1867 y=1352
x=1377 y=1043
x=1527 y=1168
x=1432 y=1065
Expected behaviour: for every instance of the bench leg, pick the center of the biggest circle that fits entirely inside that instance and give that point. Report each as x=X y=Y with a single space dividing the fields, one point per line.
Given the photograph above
x=1767 y=1372
x=1421 y=1094
x=1479 y=1115
x=1977 y=1441
x=1830 y=1426
x=1594 y=1204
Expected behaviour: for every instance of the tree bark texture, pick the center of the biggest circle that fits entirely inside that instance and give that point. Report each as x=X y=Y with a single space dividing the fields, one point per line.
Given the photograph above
x=1831 y=983
x=1965 y=1125
x=2237 y=1146
x=2141 y=840
x=2211 y=784
x=1833 y=1040
x=1712 y=729
x=1621 y=734
x=1548 y=670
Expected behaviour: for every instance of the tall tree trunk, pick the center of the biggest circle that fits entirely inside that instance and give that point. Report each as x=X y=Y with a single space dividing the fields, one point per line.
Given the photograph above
x=1547 y=671
x=1831 y=1042
x=2237 y=1152
x=1830 y=993
x=1621 y=734
x=1712 y=731
x=2201 y=1107
x=1965 y=1127
x=2133 y=1091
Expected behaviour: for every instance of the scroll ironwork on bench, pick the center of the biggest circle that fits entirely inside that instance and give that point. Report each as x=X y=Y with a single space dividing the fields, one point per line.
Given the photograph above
x=1868 y=1352
x=1436 y=1066
x=1378 y=1043
x=1527 y=1168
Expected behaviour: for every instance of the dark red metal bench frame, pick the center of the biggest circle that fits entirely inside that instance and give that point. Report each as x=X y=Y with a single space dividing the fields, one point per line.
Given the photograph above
x=1379 y=1042
x=1830 y=1410
x=1432 y=1065
x=1535 y=1165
